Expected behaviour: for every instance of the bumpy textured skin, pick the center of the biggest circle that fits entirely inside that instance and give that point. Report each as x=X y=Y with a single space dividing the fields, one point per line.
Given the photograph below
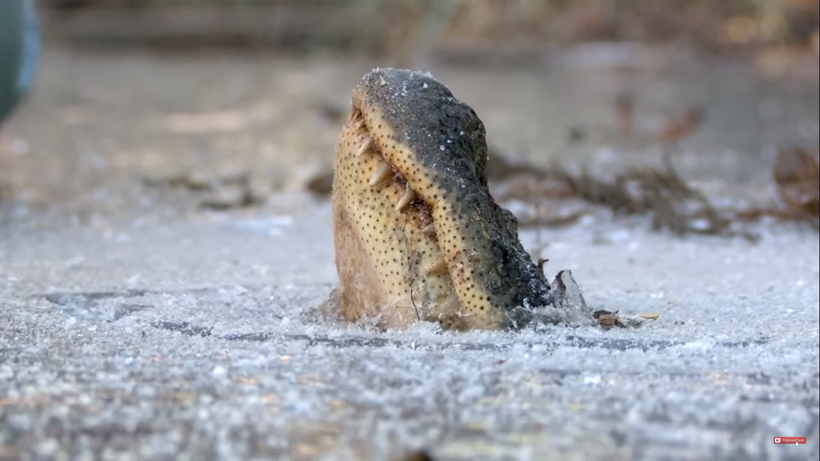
x=434 y=146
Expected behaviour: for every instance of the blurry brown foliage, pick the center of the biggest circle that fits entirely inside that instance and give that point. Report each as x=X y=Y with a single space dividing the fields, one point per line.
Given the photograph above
x=797 y=176
x=661 y=194
x=407 y=29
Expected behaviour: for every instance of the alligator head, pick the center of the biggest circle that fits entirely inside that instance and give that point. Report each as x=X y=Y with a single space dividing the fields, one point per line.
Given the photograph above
x=417 y=234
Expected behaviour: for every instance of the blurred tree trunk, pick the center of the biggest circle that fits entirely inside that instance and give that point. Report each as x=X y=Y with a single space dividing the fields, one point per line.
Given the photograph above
x=11 y=38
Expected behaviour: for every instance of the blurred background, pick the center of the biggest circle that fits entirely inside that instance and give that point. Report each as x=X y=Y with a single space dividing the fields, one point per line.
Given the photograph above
x=149 y=109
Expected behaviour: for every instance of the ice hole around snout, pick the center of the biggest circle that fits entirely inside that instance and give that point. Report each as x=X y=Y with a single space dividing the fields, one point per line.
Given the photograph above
x=632 y=274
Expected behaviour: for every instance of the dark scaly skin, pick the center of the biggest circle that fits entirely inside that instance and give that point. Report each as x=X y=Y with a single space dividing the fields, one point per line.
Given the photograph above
x=435 y=146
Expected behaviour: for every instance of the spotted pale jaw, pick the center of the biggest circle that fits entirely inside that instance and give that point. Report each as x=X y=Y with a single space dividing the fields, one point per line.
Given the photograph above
x=417 y=234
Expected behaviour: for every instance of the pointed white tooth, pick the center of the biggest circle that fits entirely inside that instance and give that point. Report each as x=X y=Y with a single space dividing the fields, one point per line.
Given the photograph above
x=359 y=124
x=366 y=145
x=428 y=229
x=437 y=267
x=354 y=114
x=382 y=172
x=405 y=199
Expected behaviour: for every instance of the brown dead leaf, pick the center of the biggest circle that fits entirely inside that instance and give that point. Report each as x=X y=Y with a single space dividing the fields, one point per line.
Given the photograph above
x=607 y=319
x=682 y=126
x=624 y=113
x=797 y=176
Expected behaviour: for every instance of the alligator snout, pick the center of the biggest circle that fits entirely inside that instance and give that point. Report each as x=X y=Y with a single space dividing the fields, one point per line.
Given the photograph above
x=418 y=236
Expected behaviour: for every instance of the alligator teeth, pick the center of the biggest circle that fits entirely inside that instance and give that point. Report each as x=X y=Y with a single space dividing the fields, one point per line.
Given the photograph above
x=354 y=114
x=429 y=229
x=359 y=124
x=437 y=267
x=405 y=199
x=366 y=145
x=382 y=172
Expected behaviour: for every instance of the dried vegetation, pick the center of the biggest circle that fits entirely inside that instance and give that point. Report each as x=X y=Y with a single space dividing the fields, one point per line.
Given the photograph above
x=672 y=203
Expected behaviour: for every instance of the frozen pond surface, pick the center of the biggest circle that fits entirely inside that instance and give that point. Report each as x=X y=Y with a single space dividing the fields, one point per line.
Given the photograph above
x=200 y=338
x=133 y=326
